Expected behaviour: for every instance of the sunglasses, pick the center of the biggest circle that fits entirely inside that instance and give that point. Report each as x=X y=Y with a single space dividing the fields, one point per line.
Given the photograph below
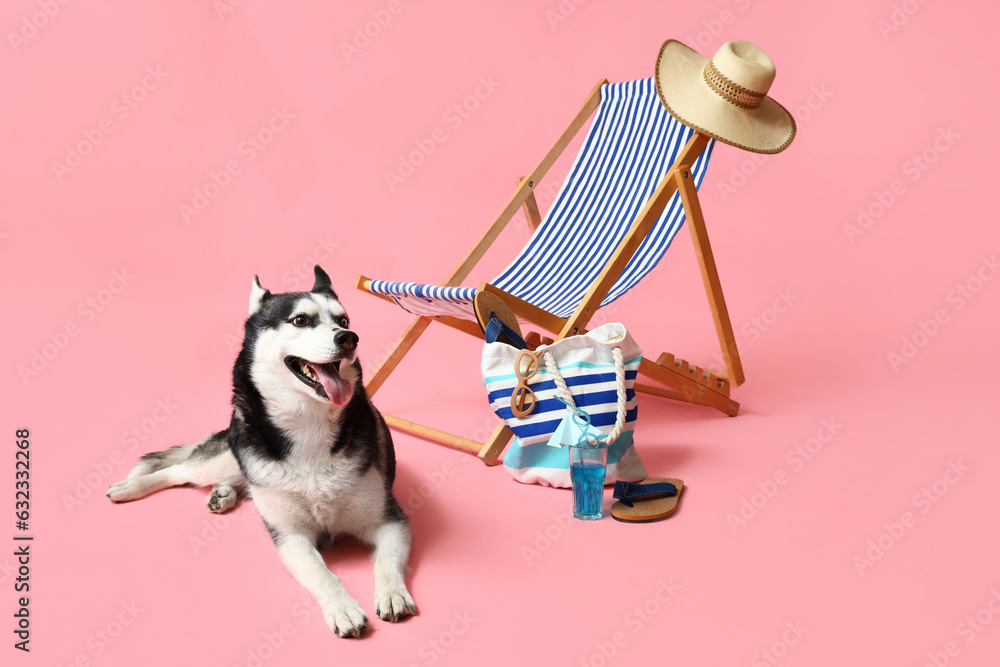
x=522 y=399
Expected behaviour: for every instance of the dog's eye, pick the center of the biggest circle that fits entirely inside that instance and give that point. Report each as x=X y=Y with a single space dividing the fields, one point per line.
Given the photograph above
x=300 y=320
x=344 y=322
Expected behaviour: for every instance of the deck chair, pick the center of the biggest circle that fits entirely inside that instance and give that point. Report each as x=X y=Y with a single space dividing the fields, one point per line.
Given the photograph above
x=626 y=196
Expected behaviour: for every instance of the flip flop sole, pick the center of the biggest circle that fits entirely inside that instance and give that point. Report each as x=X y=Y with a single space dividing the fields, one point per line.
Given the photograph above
x=649 y=509
x=486 y=303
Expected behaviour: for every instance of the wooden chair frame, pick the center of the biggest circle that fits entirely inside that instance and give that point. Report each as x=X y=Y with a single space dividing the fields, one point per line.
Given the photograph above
x=682 y=380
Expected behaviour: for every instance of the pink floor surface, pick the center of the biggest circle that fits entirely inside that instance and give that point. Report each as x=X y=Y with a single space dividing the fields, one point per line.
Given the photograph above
x=157 y=155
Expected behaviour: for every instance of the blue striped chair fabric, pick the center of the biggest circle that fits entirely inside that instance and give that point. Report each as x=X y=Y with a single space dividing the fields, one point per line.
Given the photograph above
x=630 y=145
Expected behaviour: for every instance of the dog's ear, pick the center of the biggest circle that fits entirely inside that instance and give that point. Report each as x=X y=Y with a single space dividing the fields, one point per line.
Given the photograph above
x=257 y=296
x=322 y=284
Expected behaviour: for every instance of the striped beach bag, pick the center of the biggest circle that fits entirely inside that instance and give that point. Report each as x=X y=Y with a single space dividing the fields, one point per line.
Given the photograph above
x=596 y=372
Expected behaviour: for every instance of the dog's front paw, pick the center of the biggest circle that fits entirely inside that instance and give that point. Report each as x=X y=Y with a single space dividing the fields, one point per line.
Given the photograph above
x=223 y=499
x=124 y=491
x=393 y=603
x=345 y=617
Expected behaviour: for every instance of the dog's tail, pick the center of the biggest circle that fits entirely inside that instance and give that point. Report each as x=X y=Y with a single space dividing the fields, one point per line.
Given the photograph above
x=211 y=446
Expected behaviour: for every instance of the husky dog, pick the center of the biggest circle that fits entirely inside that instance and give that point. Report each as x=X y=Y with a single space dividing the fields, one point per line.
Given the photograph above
x=306 y=443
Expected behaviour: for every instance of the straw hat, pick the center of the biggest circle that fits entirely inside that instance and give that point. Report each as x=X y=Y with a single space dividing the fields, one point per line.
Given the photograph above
x=725 y=96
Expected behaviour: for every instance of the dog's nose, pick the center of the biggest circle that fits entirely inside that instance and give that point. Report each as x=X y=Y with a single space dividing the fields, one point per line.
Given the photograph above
x=346 y=339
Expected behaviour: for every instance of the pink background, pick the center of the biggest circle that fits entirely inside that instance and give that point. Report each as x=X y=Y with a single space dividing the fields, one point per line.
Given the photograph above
x=846 y=550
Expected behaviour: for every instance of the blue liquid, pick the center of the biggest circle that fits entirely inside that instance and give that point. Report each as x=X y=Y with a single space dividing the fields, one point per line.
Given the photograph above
x=588 y=489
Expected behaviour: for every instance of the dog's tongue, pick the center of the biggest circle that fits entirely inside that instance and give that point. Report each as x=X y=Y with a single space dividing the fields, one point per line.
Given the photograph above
x=337 y=388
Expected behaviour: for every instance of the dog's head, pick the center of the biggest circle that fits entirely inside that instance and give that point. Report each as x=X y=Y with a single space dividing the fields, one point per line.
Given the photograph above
x=301 y=342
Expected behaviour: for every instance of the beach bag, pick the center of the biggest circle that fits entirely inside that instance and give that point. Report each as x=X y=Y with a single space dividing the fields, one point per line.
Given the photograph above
x=596 y=372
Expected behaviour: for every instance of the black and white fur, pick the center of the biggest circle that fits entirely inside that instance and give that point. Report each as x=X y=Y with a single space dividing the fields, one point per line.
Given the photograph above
x=306 y=443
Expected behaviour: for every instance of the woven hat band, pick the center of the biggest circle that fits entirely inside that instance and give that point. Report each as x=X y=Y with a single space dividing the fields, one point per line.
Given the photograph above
x=732 y=92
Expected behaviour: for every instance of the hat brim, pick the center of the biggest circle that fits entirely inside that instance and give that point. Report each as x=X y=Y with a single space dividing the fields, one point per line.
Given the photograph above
x=687 y=96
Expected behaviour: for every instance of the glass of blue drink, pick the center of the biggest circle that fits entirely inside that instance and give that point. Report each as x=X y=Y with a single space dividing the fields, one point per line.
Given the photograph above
x=587 y=467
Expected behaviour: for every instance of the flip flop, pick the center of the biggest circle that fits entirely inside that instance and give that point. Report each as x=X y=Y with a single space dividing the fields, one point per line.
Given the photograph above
x=653 y=499
x=497 y=320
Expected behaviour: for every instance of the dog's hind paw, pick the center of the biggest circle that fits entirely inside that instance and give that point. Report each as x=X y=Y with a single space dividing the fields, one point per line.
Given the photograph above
x=346 y=618
x=223 y=499
x=393 y=603
x=124 y=491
